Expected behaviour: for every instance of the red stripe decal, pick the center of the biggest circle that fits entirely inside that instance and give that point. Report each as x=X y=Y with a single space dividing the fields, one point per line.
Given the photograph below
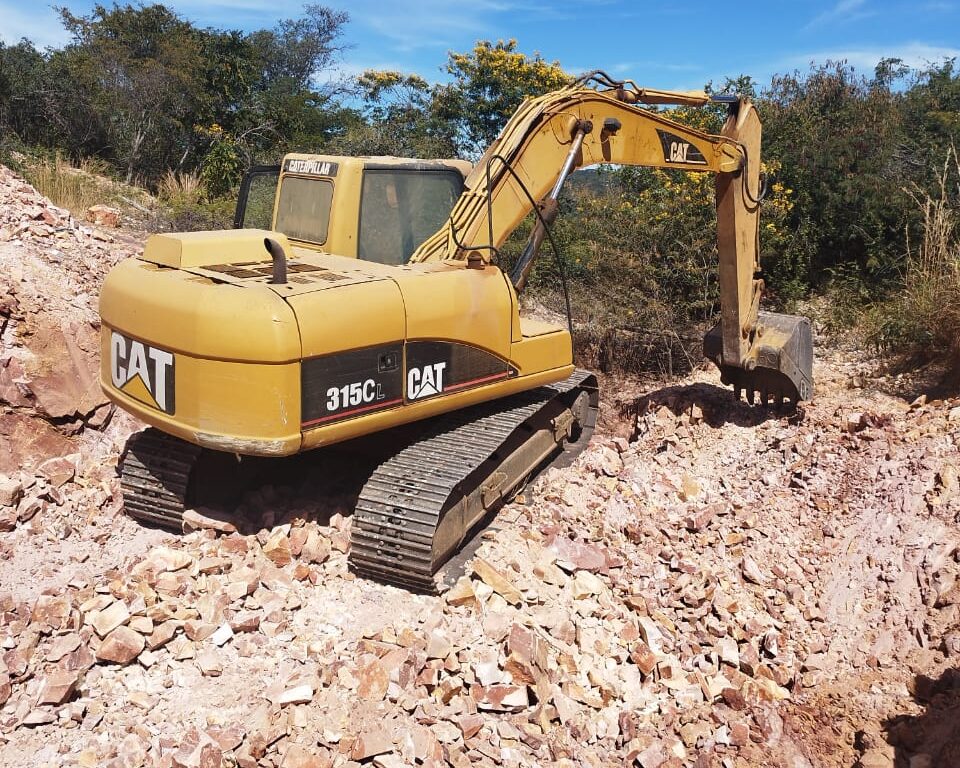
x=464 y=384
x=344 y=414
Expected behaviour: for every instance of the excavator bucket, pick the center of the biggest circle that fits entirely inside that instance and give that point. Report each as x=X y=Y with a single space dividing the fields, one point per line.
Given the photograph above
x=782 y=366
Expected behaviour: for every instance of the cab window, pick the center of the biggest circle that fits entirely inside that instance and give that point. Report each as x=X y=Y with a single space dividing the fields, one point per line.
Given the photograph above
x=400 y=208
x=303 y=210
x=258 y=190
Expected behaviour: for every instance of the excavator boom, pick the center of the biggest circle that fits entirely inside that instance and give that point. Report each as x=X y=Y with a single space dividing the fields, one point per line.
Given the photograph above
x=577 y=126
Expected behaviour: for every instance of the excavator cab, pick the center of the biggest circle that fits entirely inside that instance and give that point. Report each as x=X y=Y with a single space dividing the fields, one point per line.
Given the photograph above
x=376 y=209
x=258 y=191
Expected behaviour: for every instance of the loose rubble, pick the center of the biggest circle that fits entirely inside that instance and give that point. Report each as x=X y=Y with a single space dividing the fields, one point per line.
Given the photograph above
x=716 y=586
x=50 y=269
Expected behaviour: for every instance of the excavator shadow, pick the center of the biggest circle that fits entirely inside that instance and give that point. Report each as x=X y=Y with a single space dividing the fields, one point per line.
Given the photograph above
x=710 y=403
x=255 y=493
x=931 y=738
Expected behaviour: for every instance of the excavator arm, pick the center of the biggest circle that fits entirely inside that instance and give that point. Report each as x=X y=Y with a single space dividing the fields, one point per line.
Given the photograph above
x=552 y=135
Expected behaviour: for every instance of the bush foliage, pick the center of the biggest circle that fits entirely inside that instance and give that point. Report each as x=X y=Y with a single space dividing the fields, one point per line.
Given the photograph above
x=860 y=201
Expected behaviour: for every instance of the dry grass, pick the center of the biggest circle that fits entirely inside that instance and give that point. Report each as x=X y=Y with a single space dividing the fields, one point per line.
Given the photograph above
x=925 y=318
x=74 y=187
x=933 y=280
x=180 y=187
x=180 y=203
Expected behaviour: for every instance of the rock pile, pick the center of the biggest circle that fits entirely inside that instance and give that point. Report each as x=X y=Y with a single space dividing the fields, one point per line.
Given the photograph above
x=665 y=602
x=51 y=267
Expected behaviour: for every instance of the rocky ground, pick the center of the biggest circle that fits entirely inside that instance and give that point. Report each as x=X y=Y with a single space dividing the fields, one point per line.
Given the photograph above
x=710 y=584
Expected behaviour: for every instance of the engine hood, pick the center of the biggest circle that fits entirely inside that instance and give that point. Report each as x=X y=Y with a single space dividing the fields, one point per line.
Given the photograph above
x=308 y=272
x=238 y=257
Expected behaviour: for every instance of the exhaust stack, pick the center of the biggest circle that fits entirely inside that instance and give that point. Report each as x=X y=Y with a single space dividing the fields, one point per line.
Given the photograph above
x=279 y=257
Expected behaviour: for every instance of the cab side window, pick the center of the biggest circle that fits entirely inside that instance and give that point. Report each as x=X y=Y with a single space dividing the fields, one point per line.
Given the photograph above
x=400 y=208
x=303 y=210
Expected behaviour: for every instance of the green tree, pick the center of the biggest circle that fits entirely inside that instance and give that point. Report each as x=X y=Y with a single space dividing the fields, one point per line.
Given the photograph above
x=931 y=120
x=397 y=118
x=286 y=107
x=297 y=49
x=139 y=67
x=835 y=136
x=149 y=92
x=22 y=87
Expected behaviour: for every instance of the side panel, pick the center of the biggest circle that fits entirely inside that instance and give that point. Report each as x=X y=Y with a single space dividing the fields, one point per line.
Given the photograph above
x=355 y=316
x=471 y=306
x=435 y=368
x=375 y=421
x=350 y=384
x=543 y=352
x=359 y=382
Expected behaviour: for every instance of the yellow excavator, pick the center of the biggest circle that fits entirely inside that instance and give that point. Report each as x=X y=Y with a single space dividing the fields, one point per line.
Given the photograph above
x=373 y=300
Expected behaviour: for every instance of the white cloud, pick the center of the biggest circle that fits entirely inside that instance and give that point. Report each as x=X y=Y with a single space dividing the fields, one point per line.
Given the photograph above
x=410 y=25
x=844 y=12
x=626 y=67
x=915 y=55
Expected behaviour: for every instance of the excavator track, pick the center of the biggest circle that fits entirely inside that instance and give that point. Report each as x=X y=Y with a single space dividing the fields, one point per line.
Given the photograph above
x=419 y=506
x=155 y=476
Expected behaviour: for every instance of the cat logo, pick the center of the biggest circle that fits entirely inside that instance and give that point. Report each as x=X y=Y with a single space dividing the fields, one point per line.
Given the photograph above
x=143 y=372
x=425 y=381
x=676 y=149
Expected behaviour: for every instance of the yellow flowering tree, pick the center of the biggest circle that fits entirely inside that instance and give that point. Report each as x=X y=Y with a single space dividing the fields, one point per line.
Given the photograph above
x=489 y=83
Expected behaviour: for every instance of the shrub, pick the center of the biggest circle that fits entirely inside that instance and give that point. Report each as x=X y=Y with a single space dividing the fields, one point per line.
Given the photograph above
x=186 y=206
x=924 y=318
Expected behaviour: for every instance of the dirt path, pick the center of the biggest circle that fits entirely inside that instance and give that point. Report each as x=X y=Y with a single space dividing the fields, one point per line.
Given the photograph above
x=710 y=584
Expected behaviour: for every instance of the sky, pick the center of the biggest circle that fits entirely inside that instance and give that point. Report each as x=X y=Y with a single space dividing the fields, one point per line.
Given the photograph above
x=659 y=44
